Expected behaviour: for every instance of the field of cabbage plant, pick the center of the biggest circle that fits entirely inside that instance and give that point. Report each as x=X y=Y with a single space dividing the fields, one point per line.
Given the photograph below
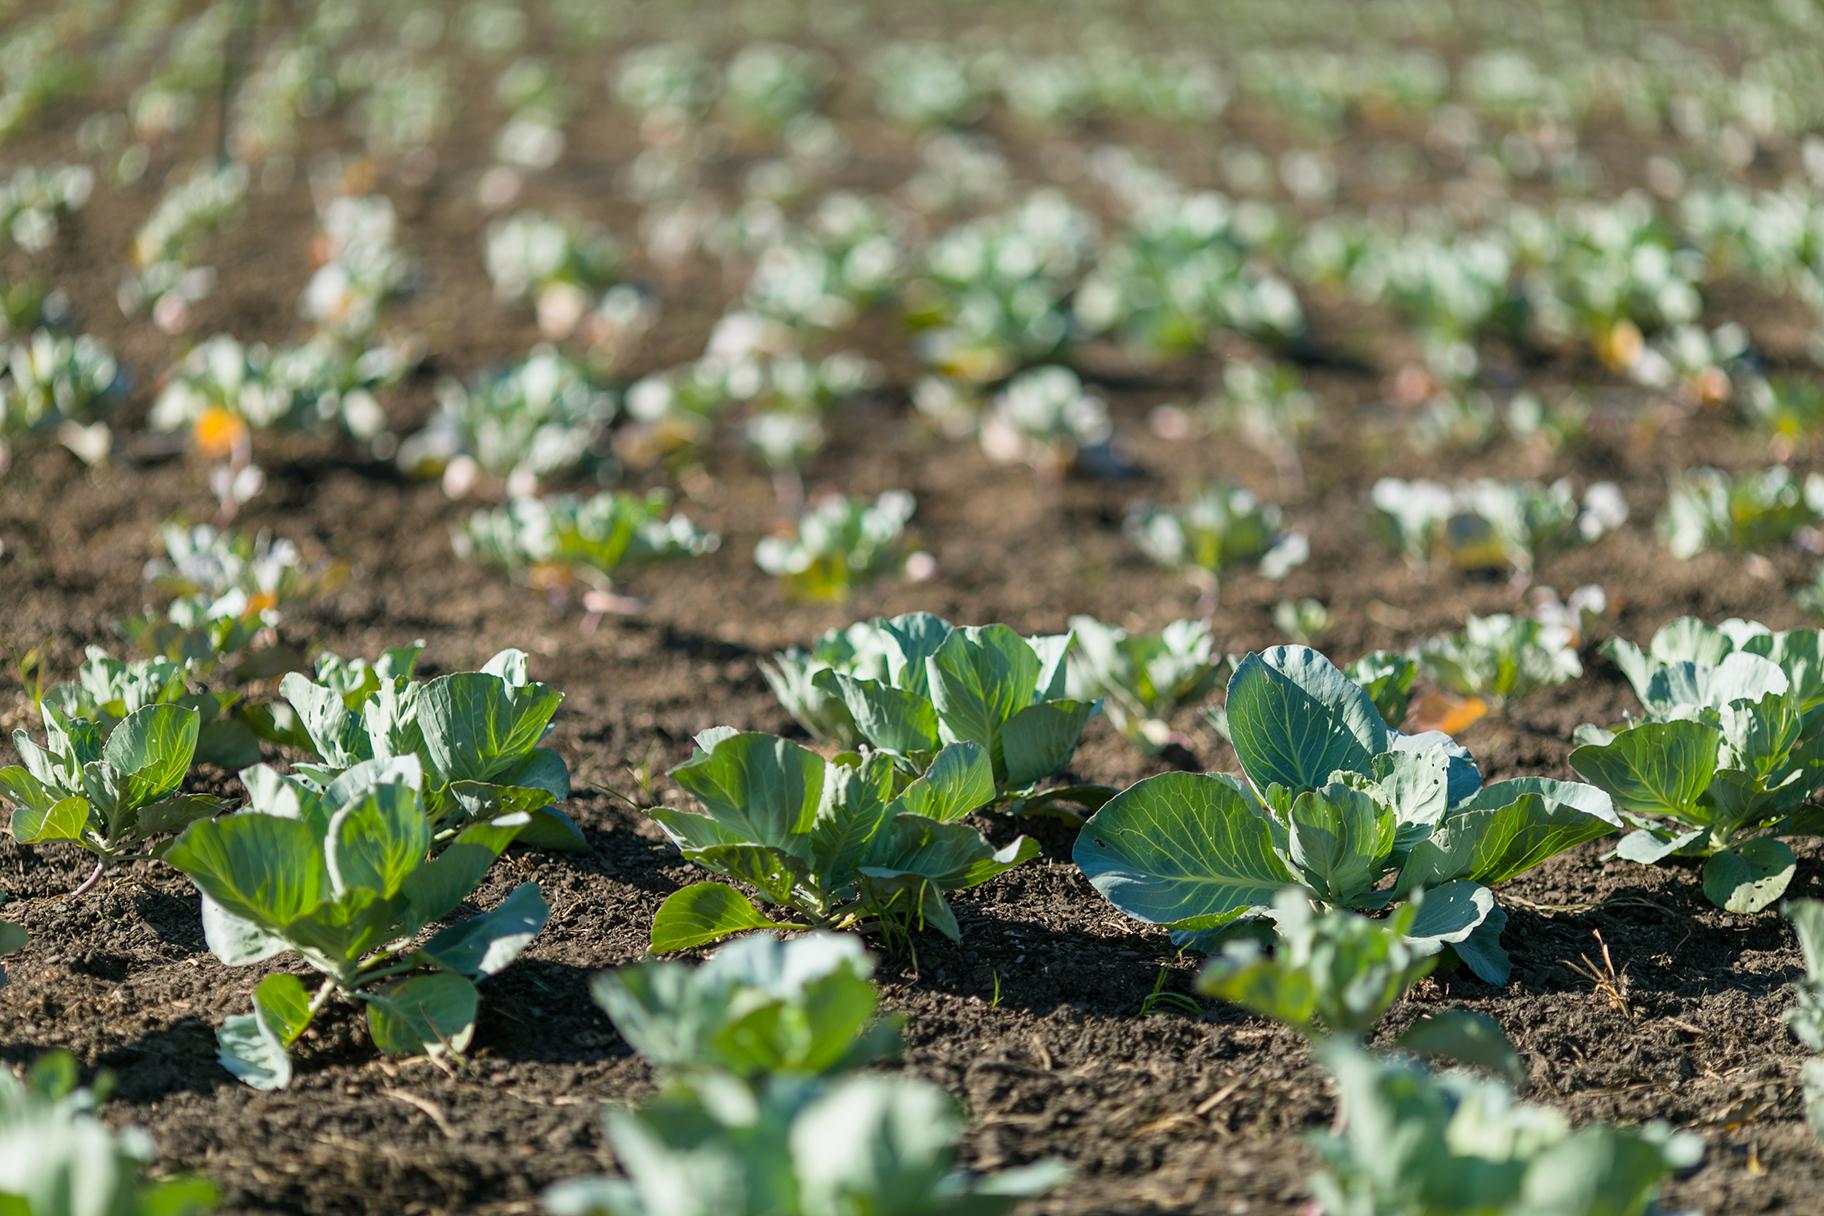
x=844 y=609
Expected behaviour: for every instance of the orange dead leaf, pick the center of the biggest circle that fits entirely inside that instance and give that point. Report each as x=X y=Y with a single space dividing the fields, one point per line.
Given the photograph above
x=218 y=432
x=1447 y=712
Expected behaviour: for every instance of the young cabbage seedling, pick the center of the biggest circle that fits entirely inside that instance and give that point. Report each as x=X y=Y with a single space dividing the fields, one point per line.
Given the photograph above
x=346 y=877
x=112 y=795
x=1500 y=659
x=58 y=1157
x=1222 y=529
x=1747 y=512
x=1333 y=973
x=759 y=1007
x=107 y=689
x=1426 y=1144
x=856 y=1144
x=1144 y=679
x=841 y=543
x=475 y=734
x=1043 y=418
x=51 y=384
x=1335 y=800
x=987 y=685
x=554 y=544
x=1725 y=761
x=838 y=844
x=1490 y=525
x=538 y=419
x=1304 y=621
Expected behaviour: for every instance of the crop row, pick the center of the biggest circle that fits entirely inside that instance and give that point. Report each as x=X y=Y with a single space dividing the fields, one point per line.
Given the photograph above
x=1345 y=861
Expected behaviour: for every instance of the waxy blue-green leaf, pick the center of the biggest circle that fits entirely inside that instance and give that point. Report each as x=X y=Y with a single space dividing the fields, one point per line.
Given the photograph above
x=1651 y=846
x=960 y=780
x=1040 y=739
x=1180 y=848
x=376 y=843
x=1295 y=719
x=485 y=944
x=764 y=787
x=64 y=819
x=1654 y=769
x=1339 y=839
x=979 y=678
x=1491 y=839
x=1451 y=913
x=236 y=940
x=476 y=725
x=152 y=747
x=901 y=721
x=259 y=867
x=706 y=912
x=1751 y=875
x=423 y=1015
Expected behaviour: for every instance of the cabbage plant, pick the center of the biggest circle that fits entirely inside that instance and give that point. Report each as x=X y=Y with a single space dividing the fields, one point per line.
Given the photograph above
x=113 y=794
x=1421 y=1144
x=789 y=1148
x=1501 y=658
x=475 y=735
x=53 y=384
x=1335 y=800
x=837 y=844
x=1747 y=512
x=1221 y=529
x=1723 y=763
x=556 y=267
x=841 y=543
x=346 y=876
x=758 y=1007
x=942 y=684
x=555 y=544
x=1143 y=679
x=1489 y=524
x=531 y=421
x=1043 y=418
x=107 y=689
x=59 y=1157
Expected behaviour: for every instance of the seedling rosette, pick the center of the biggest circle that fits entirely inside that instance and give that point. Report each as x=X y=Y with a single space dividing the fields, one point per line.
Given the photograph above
x=914 y=685
x=113 y=794
x=787 y=1148
x=851 y=843
x=1728 y=758
x=1142 y=679
x=758 y=1007
x=346 y=877
x=1411 y=1141
x=1336 y=801
x=476 y=736
x=58 y=1157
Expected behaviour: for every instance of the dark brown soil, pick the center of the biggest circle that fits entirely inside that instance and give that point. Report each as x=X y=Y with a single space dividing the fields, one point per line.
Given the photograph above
x=1034 y=1020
